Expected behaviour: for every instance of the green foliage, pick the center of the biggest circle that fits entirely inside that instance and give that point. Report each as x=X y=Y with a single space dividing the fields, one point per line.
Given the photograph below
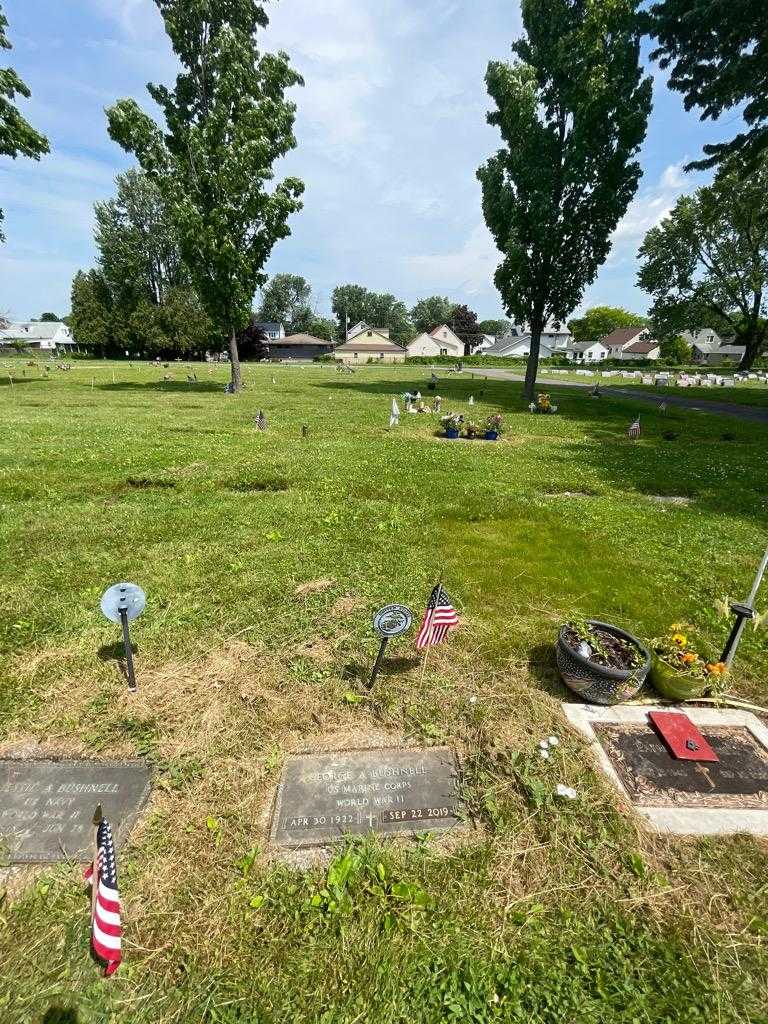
x=91 y=316
x=676 y=351
x=50 y=318
x=706 y=264
x=571 y=126
x=287 y=299
x=601 y=320
x=17 y=136
x=718 y=53
x=227 y=123
x=494 y=327
x=433 y=312
x=352 y=303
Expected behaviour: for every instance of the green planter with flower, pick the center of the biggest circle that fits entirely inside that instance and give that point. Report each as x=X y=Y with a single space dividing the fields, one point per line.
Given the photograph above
x=679 y=671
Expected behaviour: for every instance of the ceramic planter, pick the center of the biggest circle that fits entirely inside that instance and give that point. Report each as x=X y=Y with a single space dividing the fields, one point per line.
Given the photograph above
x=600 y=684
x=674 y=685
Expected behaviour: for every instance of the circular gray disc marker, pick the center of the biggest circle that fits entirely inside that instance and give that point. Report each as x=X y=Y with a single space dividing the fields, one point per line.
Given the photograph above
x=394 y=620
x=123 y=595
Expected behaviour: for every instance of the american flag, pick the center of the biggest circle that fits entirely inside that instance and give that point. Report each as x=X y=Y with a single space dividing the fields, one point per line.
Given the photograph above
x=261 y=421
x=439 y=617
x=105 y=923
x=634 y=430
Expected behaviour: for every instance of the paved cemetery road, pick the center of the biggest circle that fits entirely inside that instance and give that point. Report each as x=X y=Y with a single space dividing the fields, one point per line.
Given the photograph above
x=740 y=412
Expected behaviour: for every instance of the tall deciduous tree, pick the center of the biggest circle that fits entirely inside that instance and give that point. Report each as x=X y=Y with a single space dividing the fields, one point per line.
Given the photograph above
x=432 y=312
x=287 y=299
x=17 y=136
x=601 y=320
x=227 y=122
x=138 y=252
x=706 y=264
x=718 y=54
x=464 y=325
x=572 y=111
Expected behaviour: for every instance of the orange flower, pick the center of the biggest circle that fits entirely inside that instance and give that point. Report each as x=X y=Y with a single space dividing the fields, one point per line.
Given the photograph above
x=716 y=668
x=689 y=658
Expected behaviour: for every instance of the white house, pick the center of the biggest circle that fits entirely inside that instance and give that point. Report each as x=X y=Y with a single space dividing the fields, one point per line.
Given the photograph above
x=586 y=352
x=275 y=332
x=46 y=336
x=706 y=339
x=362 y=327
x=631 y=343
x=439 y=342
x=555 y=337
x=369 y=347
x=519 y=348
x=709 y=348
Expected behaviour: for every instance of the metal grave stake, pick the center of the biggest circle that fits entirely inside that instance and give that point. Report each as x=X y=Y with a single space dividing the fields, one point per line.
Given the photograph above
x=743 y=612
x=123 y=603
x=388 y=622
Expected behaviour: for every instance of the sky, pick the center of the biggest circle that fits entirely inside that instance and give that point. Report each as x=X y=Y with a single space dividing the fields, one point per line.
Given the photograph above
x=391 y=129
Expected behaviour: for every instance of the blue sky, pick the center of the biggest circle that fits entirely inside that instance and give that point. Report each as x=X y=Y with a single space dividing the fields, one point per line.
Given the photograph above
x=391 y=129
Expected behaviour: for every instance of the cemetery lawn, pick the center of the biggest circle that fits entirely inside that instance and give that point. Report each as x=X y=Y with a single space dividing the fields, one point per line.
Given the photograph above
x=263 y=556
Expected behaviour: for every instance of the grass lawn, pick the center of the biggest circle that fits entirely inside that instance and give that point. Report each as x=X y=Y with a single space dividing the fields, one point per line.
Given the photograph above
x=263 y=556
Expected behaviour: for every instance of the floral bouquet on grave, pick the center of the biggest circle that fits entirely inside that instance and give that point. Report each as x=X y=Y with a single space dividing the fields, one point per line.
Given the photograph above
x=471 y=429
x=494 y=423
x=543 y=405
x=680 y=671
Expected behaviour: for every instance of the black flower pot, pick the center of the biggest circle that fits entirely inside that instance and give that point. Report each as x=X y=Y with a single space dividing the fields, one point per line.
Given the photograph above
x=600 y=684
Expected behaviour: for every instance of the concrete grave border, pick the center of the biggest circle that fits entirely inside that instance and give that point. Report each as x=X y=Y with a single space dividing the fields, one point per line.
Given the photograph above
x=683 y=821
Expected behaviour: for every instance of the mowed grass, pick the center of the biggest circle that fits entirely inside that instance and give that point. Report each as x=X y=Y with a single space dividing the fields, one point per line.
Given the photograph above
x=263 y=556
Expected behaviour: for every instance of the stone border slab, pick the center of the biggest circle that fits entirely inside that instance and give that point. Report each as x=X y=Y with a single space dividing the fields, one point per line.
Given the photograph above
x=693 y=821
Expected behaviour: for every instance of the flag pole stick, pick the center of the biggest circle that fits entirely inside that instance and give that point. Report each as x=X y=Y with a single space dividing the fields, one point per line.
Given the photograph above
x=97 y=816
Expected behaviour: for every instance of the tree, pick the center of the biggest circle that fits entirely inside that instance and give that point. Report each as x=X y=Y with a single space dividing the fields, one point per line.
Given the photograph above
x=494 y=327
x=718 y=53
x=706 y=264
x=572 y=111
x=433 y=312
x=227 y=122
x=17 y=136
x=287 y=299
x=50 y=318
x=352 y=303
x=601 y=320
x=91 y=316
x=464 y=325
x=138 y=251
x=675 y=350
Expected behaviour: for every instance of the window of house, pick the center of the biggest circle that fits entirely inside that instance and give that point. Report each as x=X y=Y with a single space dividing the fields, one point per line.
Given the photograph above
x=354 y=355
x=443 y=351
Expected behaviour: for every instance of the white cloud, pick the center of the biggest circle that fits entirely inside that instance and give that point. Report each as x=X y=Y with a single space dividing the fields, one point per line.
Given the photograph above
x=649 y=208
x=468 y=269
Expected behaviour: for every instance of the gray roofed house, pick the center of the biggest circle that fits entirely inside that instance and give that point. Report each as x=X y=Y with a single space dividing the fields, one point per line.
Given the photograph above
x=299 y=346
x=45 y=335
x=273 y=331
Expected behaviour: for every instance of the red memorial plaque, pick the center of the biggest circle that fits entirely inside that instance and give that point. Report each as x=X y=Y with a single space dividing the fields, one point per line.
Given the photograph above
x=681 y=736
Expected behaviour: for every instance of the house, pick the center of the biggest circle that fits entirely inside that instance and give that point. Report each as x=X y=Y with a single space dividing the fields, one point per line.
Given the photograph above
x=46 y=336
x=618 y=341
x=706 y=338
x=439 y=342
x=362 y=327
x=274 y=332
x=511 y=347
x=586 y=352
x=642 y=350
x=369 y=347
x=487 y=341
x=299 y=346
x=705 y=353
x=555 y=338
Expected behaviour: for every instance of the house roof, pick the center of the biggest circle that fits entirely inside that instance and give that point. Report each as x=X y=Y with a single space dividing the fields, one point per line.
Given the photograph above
x=264 y=326
x=370 y=342
x=641 y=348
x=585 y=346
x=301 y=339
x=622 y=336
x=731 y=350
x=33 y=331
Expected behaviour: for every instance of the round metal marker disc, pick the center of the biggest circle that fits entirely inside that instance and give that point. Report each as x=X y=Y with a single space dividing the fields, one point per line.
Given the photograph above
x=123 y=596
x=393 y=620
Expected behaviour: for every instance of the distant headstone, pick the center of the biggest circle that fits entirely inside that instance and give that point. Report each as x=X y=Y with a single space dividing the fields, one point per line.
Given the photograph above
x=323 y=797
x=46 y=807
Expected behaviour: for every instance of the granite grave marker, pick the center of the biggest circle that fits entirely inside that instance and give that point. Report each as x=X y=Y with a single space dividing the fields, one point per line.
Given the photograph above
x=323 y=797
x=46 y=806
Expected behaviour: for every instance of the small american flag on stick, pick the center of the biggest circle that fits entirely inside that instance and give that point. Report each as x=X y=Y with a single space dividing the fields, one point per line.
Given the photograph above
x=106 y=930
x=634 y=430
x=439 y=617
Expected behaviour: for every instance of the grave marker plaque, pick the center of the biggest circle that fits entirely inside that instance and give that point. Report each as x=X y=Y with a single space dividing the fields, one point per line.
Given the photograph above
x=46 y=807
x=323 y=797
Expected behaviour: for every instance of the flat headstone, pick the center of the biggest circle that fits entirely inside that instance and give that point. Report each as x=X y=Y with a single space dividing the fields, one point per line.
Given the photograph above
x=323 y=797
x=46 y=806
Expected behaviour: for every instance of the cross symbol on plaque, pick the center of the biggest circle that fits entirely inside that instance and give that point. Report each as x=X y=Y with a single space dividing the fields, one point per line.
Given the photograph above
x=370 y=820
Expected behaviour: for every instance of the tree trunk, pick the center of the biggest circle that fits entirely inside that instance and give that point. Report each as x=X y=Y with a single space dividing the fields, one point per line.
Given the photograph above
x=234 y=360
x=752 y=340
x=532 y=367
